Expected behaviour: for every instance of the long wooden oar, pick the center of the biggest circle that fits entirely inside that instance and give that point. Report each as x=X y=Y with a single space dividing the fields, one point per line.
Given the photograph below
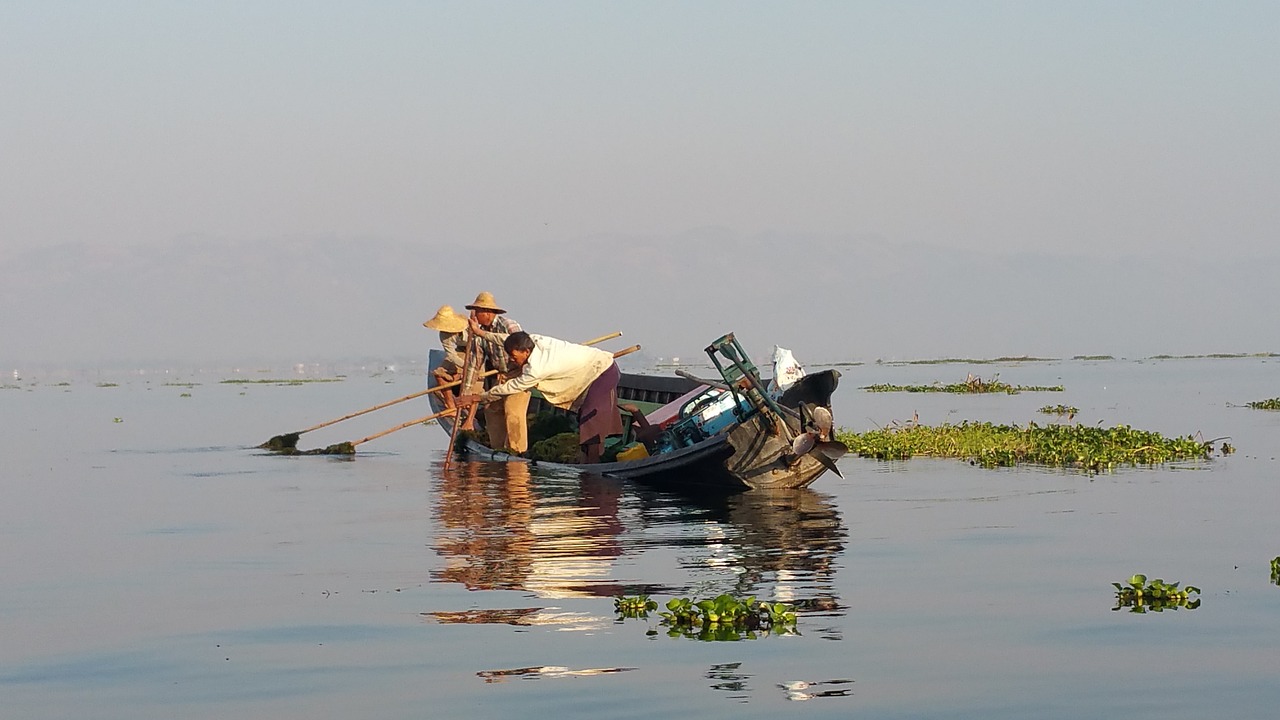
x=289 y=441
x=349 y=448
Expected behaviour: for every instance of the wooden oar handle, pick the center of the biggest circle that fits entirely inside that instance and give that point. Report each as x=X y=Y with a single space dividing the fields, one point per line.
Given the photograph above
x=404 y=425
x=358 y=413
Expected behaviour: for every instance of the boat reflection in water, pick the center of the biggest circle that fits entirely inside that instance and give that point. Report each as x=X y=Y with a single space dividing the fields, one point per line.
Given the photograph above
x=778 y=545
x=503 y=528
x=506 y=526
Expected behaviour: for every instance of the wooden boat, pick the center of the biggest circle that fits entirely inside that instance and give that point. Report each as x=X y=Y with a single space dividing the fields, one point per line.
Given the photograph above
x=733 y=433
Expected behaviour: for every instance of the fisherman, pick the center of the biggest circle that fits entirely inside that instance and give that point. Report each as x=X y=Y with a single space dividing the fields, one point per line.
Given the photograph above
x=453 y=338
x=569 y=376
x=506 y=418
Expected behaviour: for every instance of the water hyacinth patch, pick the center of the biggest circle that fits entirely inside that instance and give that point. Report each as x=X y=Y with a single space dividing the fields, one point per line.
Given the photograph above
x=721 y=618
x=1092 y=449
x=1272 y=404
x=1157 y=596
x=1067 y=410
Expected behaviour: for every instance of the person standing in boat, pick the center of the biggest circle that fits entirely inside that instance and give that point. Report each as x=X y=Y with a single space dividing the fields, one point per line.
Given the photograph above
x=506 y=419
x=453 y=338
x=570 y=376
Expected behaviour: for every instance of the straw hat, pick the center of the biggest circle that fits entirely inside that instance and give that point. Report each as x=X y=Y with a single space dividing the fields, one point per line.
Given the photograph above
x=485 y=301
x=446 y=320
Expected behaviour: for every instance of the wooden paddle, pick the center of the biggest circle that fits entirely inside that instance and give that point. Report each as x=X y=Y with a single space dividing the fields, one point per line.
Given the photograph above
x=349 y=448
x=289 y=441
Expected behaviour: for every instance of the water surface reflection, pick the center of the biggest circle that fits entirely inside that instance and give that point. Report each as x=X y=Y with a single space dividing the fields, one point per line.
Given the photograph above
x=512 y=527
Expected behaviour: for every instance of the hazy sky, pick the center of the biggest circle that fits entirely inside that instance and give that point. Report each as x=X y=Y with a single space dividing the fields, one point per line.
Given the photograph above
x=1067 y=127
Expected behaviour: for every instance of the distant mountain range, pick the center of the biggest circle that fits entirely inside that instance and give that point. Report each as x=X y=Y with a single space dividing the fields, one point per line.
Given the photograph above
x=828 y=299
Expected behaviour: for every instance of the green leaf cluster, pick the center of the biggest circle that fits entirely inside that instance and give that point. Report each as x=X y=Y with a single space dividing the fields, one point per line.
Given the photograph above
x=1059 y=410
x=1141 y=596
x=1275 y=571
x=1272 y=404
x=637 y=606
x=1093 y=449
x=723 y=617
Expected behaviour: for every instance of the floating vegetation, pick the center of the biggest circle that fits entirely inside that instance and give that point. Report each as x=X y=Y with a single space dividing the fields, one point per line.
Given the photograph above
x=108 y=385
x=1093 y=449
x=342 y=448
x=637 y=606
x=972 y=384
x=181 y=384
x=968 y=361
x=716 y=619
x=1272 y=404
x=1092 y=357
x=1215 y=356
x=1275 y=571
x=280 y=381
x=8 y=386
x=1157 y=596
x=1067 y=410
x=185 y=395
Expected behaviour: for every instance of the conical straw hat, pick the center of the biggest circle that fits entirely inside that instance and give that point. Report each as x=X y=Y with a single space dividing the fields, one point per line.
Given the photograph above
x=485 y=301
x=446 y=320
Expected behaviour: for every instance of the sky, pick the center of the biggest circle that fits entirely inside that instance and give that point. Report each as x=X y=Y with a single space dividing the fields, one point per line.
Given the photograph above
x=1094 y=130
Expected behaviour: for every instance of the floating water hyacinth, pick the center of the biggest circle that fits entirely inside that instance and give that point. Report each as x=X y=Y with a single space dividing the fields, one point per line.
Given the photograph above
x=1156 y=596
x=1089 y=448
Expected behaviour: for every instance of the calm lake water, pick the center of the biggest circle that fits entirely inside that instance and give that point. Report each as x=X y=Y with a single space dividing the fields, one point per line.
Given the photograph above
x=156 y=566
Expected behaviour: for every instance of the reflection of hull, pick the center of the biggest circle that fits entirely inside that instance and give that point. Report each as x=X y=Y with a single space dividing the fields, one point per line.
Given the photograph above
x=788 y=540
x=754 y=453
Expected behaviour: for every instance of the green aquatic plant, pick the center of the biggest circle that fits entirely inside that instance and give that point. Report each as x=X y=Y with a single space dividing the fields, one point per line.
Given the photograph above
x=723 y=617
x=1093 y=357
x=1093 y=449
x=637 y=606
x=972 y=384
x=108 y=385
x=1275 y=571
x=1067 y=410
x=1156 y=596
x=1272 y=404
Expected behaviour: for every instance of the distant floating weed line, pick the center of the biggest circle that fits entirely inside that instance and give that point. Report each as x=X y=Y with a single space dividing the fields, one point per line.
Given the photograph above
x=1093 y=449
x=1059 y=410
x=1272 y=404
x=972 y=384
x=279 y=381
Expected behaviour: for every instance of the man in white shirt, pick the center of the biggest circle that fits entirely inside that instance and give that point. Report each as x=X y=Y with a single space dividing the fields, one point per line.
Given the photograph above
x=570 y=376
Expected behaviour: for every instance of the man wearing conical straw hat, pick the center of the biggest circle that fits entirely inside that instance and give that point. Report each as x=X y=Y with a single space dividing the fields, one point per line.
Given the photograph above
x=506 y=419
x=453 y=338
